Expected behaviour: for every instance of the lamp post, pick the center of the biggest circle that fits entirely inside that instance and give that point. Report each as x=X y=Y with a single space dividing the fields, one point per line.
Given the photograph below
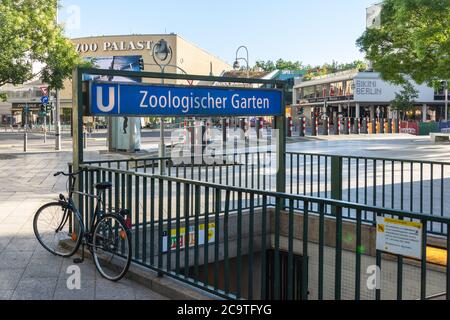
x=57 y=120
x=162 y=54
x=237 y=65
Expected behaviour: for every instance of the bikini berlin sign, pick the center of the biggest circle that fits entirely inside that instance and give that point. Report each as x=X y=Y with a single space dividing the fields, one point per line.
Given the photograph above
x=131 y=99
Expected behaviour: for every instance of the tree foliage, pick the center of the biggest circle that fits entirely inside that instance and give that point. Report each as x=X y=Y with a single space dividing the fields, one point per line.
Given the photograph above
x=413 y=41
x=312 y=71
x=405 y=99
x=333 y=67
x=280 y=64
x=29 y=34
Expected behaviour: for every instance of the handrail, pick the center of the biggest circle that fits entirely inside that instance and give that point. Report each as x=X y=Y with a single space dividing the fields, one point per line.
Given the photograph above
x=368 y=158
x=331 y=202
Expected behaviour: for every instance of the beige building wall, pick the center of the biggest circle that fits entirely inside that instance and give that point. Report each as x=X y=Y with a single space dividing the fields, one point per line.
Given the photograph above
x=186 y=56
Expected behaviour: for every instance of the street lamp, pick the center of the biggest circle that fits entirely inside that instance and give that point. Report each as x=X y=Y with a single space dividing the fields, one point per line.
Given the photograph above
x=237 y=65
x=162 y=54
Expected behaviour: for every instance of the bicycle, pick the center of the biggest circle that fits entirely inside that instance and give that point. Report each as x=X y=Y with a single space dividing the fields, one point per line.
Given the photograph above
x=59 y=228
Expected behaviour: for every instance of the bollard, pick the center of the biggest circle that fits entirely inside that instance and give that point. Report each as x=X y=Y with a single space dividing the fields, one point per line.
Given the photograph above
x=381 y=125
x=25 y=141
x=315 y=126
x=374 y=126
x=364 y=125
x=357 y=126
x=224 y=132
x=258 y=127
x=84 y=139
x=326 y=126
x=302 y=126
x=346 y=126
x=289 y=126
x=242 y=126
x=337 y=125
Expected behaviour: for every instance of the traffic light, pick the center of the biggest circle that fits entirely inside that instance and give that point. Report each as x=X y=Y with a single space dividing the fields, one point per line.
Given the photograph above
x=42 y=109
x=141 y=64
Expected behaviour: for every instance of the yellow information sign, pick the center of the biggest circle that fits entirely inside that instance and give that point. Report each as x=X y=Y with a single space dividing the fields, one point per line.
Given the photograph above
x=191 y=236
x=399 y=237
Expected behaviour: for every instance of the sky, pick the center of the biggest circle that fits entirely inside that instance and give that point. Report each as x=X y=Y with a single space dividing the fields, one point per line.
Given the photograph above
x=310 y=31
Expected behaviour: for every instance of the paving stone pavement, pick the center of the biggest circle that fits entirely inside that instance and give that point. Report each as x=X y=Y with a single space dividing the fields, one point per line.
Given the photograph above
x=27 y=271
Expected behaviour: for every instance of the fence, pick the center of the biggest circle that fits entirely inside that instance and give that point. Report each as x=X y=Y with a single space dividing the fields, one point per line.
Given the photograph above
x=415 y=186
x=259 y=249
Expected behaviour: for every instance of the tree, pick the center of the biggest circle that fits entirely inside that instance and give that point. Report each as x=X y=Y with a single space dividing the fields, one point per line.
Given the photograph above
x=413 y=41
x=280 y=64
x=405 y=99
x=29 y=34
x=333 y=67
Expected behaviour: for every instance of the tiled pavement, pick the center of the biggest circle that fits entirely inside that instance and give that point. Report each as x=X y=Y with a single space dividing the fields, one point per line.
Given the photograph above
x=27 y=271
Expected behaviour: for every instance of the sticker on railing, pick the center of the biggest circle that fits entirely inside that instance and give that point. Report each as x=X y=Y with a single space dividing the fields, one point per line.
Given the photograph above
x=399 y=237
x=191 y=239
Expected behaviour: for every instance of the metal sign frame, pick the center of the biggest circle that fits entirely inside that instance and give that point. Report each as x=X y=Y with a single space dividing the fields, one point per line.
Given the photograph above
x=78 y=107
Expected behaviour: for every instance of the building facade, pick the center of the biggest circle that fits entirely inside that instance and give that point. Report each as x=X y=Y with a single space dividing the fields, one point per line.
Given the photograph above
x=361 y=94
x=121 y=52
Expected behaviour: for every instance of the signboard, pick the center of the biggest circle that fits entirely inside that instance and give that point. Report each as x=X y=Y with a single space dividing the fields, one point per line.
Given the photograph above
x=44 y=100
x=191 y=240
x=44 y=91
x=129 y=99
x=369 y=87
x=399 y=237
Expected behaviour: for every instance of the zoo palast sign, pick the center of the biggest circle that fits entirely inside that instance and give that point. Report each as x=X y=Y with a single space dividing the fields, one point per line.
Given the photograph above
x=139 y=45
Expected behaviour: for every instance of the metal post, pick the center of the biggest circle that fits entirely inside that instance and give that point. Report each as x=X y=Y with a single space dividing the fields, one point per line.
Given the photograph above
x=58 y=123
x=25 y=134
x=77 y=116
x=280 y=124
x=336 y=179
x=258 y=127
x=446 y=101
x=45 y=128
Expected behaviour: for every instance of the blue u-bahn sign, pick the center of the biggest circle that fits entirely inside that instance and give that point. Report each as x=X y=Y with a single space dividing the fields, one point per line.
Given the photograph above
x=146 y=100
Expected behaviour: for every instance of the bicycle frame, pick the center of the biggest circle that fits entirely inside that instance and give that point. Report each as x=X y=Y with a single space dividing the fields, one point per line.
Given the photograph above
x=69 y=204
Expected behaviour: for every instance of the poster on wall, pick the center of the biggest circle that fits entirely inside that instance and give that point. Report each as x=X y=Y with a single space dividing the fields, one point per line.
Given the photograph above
x=126 y=131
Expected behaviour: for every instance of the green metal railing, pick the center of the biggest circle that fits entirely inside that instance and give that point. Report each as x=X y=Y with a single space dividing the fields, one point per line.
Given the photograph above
x=168 y=209
x=415 y=186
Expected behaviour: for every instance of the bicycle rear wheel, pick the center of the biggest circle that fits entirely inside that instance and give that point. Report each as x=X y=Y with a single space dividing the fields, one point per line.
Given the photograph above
x=111 y=247
x=58 y=229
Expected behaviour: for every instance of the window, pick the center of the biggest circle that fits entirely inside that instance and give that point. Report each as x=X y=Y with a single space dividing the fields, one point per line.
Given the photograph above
x=349 y=87
x=308 y=92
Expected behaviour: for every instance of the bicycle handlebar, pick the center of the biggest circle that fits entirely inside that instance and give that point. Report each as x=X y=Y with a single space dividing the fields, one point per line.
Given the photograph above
x=71 y=174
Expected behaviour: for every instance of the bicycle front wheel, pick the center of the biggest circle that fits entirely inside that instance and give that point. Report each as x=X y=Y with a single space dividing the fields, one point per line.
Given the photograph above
x=57 y=229
x=111 y=247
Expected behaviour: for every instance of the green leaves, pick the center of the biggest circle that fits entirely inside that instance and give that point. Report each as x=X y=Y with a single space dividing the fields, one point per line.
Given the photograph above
x=280 y=64
x=28 y=33
x=414 y=41
x=405 y=99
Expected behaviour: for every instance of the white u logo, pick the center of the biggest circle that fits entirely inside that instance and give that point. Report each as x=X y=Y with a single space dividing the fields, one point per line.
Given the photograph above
x=111 y=102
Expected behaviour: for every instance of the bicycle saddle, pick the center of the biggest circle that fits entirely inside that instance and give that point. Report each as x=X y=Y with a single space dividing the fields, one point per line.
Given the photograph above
x=103 y=185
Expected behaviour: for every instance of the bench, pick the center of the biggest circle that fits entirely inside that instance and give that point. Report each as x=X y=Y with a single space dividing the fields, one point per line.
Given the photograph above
x=439 y=137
